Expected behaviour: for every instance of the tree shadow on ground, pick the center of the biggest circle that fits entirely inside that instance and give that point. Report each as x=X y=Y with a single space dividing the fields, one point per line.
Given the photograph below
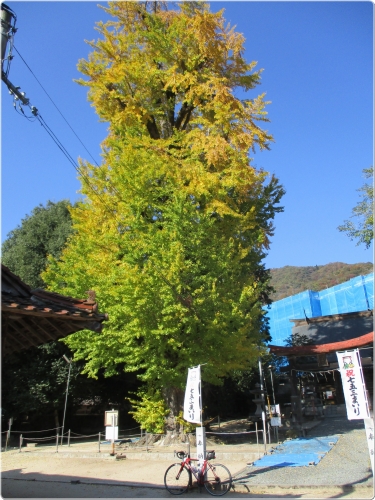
x=17 y=484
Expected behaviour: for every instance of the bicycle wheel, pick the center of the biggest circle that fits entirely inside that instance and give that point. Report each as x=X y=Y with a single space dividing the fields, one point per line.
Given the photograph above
x=177 y=479
x=218 y=479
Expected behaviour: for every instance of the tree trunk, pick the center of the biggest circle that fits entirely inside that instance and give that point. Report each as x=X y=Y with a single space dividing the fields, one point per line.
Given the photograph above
x=174 y=398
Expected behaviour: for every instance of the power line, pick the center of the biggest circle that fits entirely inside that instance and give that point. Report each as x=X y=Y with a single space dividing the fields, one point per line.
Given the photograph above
x=87 y=180
x=71 y=128
x=56 y=139
x=72 y=161
x=50 y=98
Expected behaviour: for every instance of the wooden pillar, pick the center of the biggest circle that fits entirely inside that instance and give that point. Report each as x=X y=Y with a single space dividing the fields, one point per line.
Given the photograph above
x=295 y=397
x=340 y=399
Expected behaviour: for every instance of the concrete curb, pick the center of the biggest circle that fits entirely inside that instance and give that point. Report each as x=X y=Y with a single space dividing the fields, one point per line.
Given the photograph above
x=69 y=454
x=292 y=488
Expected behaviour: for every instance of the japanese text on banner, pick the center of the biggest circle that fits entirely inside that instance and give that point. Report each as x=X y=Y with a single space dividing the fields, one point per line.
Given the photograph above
x=192 y=403
x=353 y=384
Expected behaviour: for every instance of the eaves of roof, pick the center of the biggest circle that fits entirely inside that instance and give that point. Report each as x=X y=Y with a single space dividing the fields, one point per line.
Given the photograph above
x=34 y=317
x=310 y=350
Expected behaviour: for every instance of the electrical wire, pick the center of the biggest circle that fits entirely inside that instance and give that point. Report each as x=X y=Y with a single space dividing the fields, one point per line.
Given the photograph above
x=22 y=113
x=66 y=121
x=87 y=180
x=72 y=161
x=50 y=98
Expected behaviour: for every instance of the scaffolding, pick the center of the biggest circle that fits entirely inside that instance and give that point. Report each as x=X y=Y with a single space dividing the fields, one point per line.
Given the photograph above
x=354 y=295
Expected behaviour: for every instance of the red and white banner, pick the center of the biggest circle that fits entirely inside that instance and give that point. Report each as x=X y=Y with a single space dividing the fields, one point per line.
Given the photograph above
x=192 y=403
x=353 y=384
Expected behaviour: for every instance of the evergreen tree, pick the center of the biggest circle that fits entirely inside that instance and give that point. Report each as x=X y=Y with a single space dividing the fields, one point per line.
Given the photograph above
x=34 y=380
x=44 y=232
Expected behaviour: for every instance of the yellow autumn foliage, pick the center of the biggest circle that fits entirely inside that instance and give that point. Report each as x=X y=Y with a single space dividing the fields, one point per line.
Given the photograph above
x=176 y=219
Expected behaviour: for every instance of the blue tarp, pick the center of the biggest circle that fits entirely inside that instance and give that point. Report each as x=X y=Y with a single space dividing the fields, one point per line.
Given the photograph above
x=368 y=283
x=296 y=306
x=298 y=452
x=347 y=297
x=354 y=295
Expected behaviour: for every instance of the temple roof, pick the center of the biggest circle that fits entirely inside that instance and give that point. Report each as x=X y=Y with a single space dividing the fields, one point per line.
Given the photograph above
x=323 y=336
x=35 y=317
x=311 y=350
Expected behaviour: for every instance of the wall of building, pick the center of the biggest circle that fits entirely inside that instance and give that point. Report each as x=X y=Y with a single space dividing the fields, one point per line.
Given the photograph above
x=354 y=295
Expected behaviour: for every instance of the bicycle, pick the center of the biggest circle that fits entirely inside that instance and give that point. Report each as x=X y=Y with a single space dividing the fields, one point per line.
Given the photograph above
x=216 y=478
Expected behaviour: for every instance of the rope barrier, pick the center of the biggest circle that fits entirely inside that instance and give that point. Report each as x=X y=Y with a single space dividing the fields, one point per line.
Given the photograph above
x=130 y=436
x=85 y=435
x=39 y=439
x=69 y=433
x=78 y=436
x=236 y=433
x=28 y=432
x=82 y=435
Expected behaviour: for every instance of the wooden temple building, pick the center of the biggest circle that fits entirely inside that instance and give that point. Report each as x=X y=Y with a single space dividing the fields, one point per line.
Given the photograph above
x=312 y=368
x=34 y=317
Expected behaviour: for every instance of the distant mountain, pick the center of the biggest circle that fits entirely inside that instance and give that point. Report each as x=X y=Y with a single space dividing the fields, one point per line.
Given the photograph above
x=290 y=280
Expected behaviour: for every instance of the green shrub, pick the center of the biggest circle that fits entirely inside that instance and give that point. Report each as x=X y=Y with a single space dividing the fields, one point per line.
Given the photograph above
x=187 y=426
x=150 y=412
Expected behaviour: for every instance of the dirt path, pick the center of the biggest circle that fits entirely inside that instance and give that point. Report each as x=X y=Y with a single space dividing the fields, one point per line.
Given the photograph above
x=30 y=476
x=26 y=489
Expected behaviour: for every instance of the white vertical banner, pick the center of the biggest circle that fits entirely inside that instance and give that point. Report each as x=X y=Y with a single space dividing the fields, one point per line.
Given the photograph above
x=201 y=444
x=369 y=426
x=353 y=384
x=192 y=403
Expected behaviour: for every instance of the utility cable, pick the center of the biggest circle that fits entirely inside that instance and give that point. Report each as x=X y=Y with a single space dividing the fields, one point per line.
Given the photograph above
x=71 y=160
x=73 y=163
x=50 y=98
x=87 y=180
x=66 y=121
x=57 y=141
x=22 y=113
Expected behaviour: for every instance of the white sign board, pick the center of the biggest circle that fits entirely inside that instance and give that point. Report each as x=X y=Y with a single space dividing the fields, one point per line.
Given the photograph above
x=111 y=418
x=111 y=433
x=192 y=403
x=353 y=384
x=275 y=416
x=275 y=410
x=276 y=421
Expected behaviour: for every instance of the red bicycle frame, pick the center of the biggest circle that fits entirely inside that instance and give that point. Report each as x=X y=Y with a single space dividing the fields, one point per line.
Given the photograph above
x=201 y=471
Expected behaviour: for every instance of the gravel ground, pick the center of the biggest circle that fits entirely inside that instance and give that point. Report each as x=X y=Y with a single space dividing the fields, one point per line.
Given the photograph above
x=347 y=464
x=344 y=472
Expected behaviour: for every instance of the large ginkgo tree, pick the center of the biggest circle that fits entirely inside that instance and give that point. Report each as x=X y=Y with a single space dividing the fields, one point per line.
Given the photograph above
x=176 y=220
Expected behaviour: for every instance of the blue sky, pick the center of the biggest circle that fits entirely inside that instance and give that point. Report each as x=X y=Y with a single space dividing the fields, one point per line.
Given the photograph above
x=317 y=61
